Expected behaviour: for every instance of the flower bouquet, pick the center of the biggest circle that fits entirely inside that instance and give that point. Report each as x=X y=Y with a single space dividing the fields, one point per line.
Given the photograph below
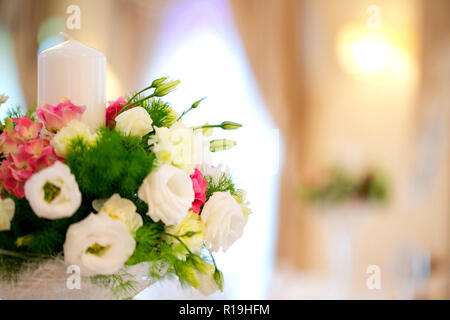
x=104 y=213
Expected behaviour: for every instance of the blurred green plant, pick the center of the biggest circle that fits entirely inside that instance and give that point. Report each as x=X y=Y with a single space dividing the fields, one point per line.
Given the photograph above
x=340 y=186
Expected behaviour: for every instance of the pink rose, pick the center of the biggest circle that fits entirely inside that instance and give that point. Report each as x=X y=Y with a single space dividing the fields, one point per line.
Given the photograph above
x=199 y=184
x=113 y=111
x=55 y=118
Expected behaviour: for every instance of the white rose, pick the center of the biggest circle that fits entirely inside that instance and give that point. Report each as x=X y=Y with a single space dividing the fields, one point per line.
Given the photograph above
x=53 y=192
x=98 y=245
x=121 y=209
x=224 y=221
x=7 y=207
x=135 y=121
x=169 y=193
x=72 y=130
x=176 y=146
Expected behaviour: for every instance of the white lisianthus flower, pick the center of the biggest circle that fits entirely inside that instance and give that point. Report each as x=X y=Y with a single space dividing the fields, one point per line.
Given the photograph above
x=135 y=121
x=98 y=245
x=169 y=193
x=176 y=146
x=224 y=221
x=53 y=192
x=7 y=208
x=121 y=209
x=190 y=230
x=70 y=131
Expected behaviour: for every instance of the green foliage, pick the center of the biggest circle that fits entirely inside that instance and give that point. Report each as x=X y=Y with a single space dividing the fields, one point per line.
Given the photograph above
x=165 y=259
x=115 y=164
x=161 y=112
x=12 y=266
x=150 y=246
x=18 y=112
x=43 y=237
x=223 y=184
x=122 y=285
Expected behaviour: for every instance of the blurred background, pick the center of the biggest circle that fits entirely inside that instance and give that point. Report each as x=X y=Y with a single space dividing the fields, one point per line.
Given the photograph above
x=345 y=146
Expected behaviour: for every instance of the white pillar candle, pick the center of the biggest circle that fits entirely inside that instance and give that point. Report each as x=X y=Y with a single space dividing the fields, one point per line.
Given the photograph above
x=77 y=72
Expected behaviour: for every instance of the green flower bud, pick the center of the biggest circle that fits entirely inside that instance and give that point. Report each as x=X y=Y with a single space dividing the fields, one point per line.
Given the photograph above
x=218 y=277
x=158 y=82
x=221 y=144
x=165 y=88
x=228 y=125
x=196 y=103
x=187 y=272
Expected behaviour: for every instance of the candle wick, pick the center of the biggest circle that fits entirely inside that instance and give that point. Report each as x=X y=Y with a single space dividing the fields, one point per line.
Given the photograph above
x=66 y=36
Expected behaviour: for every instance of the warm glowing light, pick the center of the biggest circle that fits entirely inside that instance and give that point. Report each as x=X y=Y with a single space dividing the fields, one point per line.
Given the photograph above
x=370 y=54
x=373 y=54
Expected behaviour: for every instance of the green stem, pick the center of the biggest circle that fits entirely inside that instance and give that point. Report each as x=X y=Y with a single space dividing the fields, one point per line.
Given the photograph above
x=128 y=105
x=138 y=93
x=179 y=239
x=207 y=126
x=213 y=260
x=184 y=112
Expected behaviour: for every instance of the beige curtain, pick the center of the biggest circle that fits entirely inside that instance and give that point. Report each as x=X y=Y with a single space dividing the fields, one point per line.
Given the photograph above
x=435 y=87
x=271 y=33
x=22 y=18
